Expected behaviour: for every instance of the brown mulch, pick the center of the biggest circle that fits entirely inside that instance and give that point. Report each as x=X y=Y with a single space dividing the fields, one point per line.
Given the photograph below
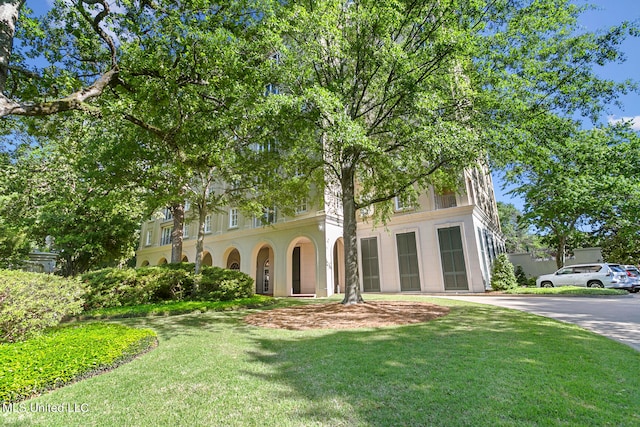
x=338 y=316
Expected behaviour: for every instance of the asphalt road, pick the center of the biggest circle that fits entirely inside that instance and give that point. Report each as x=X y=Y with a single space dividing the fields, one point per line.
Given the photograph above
x=614 y=317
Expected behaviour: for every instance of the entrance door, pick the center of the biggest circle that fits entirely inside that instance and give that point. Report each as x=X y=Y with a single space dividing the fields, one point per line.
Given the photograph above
x=296 y=270
x=452 y=255
x=265 y=277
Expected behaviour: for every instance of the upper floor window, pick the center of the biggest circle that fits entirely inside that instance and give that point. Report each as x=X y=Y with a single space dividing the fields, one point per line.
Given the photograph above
x=401 y=205
x=166 y=212
x=233 y=218
x=165 y=237
x=147 y=240
x=185 y=231
x=268 y=217
x=302 y=206
x=207 y=224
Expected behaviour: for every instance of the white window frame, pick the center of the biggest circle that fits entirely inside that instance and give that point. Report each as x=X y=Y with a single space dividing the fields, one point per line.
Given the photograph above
x=302 y=206
x=165 y=236
x=166 y=212
x=233 y=218
x=149 y=237
x=207 y=224
x=399 y=205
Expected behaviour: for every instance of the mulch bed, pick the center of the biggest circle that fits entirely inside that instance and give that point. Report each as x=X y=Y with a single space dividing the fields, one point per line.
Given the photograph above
x=338 y=316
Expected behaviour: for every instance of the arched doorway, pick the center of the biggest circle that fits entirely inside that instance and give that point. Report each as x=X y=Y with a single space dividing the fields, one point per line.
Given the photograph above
x=303 y=271
x=184 y=258
x=233 y=260
x=162 y=261
x=338 y=266
x=145 y=263
x=207 y=259
x=264 y=271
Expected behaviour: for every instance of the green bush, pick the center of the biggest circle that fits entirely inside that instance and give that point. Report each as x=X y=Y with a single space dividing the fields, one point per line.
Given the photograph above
x=64 y=354
x=521 y=277
x=502 y=274
x=31 y=302
x=220 y=284
x=114 y=287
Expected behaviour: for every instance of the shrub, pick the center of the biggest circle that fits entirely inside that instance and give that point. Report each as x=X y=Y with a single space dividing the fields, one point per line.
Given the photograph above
x=219 y=284
x=521 y=277
x=113 y=287
x=64 y=354
x=31 y=302
x=502 y=275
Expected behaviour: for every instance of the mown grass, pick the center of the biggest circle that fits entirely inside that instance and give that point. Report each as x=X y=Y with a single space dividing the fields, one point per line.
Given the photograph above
x=478 y=366
x=64 y=354
x=172 y=308
x=565 y=290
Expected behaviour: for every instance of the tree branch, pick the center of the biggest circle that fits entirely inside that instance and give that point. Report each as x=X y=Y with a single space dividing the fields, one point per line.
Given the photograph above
x=74 y=101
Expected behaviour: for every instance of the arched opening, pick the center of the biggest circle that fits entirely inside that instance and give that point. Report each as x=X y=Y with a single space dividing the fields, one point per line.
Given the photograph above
x=264 y=271
x=303 y=271
x=207 y=259
x=145 y=263
x=162 y=261
x=233 y=260
x=184 y=258
x=338 y=266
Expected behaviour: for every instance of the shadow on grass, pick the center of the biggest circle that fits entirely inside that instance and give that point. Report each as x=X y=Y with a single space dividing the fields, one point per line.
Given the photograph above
x=477 y=366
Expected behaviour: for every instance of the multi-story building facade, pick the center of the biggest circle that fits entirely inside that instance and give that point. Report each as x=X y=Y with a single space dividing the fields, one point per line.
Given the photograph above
x=446 y=243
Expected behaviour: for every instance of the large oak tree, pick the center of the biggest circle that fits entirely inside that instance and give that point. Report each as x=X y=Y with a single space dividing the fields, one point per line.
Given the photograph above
x=403 y=92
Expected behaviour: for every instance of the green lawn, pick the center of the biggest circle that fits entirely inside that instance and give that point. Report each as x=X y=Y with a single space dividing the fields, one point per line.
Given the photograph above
x=478 y=366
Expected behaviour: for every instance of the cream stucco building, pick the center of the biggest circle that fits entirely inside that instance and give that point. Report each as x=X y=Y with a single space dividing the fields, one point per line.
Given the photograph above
x=444 y=244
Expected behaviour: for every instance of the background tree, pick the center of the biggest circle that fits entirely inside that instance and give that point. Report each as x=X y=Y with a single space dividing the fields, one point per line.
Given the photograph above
x=578 y=182
x=59 y=190
x=515 y=231
x=14 y=243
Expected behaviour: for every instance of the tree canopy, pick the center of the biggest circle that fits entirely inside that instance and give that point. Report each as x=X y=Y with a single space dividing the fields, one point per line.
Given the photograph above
x=580 y=180
x=373 y=99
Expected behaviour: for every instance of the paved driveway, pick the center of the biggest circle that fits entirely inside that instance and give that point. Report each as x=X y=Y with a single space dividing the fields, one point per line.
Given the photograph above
x=615 y=317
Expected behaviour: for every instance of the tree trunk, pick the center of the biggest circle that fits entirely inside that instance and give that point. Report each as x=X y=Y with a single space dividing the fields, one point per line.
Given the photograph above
x=9 y=11
x=560 y=251
x=352 y=277
x=177 y=233
x=202 y=214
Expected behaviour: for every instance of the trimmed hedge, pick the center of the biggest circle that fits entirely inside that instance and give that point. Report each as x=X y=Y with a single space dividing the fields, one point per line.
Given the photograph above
x=66 y=354
x=31 y=302
x=112 y=287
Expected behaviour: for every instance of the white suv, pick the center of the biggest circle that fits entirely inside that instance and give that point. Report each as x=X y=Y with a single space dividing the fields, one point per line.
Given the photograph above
x=596 y=275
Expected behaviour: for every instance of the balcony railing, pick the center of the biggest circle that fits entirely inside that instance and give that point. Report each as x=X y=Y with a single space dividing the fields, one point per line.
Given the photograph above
x=444 y=201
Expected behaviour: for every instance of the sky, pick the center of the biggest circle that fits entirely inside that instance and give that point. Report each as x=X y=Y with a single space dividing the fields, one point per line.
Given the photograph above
x=607 y=14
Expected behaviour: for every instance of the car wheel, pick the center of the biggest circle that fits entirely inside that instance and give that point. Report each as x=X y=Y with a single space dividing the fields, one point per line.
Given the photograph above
x=595 y=284
x=546 y=285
